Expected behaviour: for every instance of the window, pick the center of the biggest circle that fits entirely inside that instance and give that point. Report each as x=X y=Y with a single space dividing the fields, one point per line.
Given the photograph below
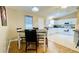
x=40 y=23
x=28 y=22
x=51 y=23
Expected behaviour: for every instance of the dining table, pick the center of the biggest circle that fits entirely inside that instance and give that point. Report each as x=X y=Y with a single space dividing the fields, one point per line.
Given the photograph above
x=23 y=31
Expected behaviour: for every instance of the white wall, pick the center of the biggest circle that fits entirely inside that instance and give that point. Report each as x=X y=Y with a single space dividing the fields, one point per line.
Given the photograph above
x=3 y=38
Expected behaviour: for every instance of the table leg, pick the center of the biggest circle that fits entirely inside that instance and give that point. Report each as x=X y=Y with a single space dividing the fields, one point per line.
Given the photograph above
x=19 y=42
x=44 y=44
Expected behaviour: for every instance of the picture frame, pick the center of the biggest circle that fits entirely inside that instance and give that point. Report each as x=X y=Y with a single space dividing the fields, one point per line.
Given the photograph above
x=3 y=15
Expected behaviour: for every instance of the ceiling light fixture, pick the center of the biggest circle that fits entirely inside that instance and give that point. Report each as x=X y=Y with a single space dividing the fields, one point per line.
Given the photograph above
x=35 y=9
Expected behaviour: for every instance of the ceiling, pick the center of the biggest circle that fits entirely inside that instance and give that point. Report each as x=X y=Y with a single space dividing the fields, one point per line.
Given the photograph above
x=55 y=11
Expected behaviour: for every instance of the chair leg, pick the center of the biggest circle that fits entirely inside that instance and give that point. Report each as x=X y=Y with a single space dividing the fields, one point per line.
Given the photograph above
x=47 y=42
x=26 y=47
x=36 y=47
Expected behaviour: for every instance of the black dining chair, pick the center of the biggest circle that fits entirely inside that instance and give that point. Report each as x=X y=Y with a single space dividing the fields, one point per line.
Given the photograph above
x=31 y=39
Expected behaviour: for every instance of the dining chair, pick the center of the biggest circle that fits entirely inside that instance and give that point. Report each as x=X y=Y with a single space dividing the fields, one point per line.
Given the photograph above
x=42 y=38
x=31 y=40
x=21 y=36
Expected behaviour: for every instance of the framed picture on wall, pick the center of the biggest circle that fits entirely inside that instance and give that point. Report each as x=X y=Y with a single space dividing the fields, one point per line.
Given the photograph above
x=3 y=16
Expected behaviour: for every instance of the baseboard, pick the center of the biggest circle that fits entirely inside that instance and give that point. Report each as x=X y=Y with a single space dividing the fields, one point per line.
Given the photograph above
x=9 y=44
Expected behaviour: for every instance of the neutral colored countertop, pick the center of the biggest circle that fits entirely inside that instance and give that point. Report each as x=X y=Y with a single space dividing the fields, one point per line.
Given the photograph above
x=76 y=30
